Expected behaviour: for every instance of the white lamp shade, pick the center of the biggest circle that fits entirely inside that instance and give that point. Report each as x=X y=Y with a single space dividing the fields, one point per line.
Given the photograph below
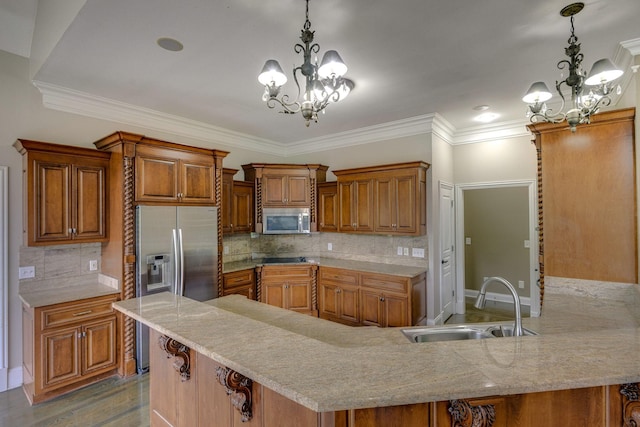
x=331 y=64
x=272 y=73
x=603 y=71
x=538 y=92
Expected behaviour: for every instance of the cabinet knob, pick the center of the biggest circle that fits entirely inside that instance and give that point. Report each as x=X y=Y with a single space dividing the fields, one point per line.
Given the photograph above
x=338 y=290
x=382 y=299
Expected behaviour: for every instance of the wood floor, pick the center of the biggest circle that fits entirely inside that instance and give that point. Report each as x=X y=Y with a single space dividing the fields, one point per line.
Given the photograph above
x=113 y=402
x=125 y=402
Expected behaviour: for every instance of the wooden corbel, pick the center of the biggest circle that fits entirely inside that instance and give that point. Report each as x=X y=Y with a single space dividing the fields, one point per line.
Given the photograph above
x=180 y=354
x=631 y=393
x=466 y=415
x=239 y=388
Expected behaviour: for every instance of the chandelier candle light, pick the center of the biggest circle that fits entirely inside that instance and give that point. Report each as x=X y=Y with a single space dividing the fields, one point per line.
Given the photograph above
x=324 y=84
x=583 y=105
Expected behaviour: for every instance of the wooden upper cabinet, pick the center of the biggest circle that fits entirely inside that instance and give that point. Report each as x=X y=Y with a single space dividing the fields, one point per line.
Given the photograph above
x=328 y=207
x=174 y=176
x=356 y=205
x=290 y=188
x=237 y=204
x=387 y=199
x=65 y=193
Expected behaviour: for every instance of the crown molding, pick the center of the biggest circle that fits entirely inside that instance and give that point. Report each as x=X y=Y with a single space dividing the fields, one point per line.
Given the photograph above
x=491 y=132
x=633 y=46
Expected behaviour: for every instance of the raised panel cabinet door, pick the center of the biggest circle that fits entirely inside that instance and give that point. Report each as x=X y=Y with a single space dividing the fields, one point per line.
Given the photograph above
x=197 y=182
x=346 y=197
x=273 y=294
x=385 y=205
x=60 y=356
x=328 y=300
x=328 y=207
x=99 y=347
x=274 y=190
x=348 y=304
x=298 y=295
x=227 y=203
x=52 y=211
x=406 y=205
x=298 y=193
x=90 y=221
x=364 y=205
x=396 y=311
x=156 y=179
x=371 y=308
x=242 y=215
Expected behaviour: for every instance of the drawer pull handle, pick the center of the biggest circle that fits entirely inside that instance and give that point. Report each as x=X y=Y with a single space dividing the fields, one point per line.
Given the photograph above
x=82 y=313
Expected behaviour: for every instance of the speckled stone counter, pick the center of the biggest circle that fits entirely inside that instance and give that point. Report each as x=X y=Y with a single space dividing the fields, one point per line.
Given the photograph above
x=326 y=366
x=371 y=267
x=40 y=298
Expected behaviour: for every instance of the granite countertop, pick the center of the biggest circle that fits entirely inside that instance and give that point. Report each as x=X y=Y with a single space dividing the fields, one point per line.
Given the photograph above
x=370 y=267
x=326 y=366
x=40 y=298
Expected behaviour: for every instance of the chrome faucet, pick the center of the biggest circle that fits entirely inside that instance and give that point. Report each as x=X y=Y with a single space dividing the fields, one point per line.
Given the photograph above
x=480 y=301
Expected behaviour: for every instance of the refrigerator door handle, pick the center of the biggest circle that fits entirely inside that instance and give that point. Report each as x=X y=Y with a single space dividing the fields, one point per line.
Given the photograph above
x=181 y=272
x=176 y=246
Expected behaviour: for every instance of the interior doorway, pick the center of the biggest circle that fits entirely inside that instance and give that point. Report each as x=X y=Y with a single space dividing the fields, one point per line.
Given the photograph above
x=497 y=236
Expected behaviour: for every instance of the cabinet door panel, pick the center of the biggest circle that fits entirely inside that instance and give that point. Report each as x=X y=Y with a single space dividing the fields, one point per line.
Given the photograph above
x=242 y=215
x=62 y=356
x=396 y=311
x=99 y=346
x=349 y=304
x=299 y=295
x=346 y=197
x=298 y=191
x=197 y=182
x=273 y=294
x=156 y=179
x=227 y=203
x=364 y=205
x=328 y=300
x=53 y=201
x=385 y=201
x=407 y=210
x=371 y=312
x=274 y=190
x=328 y=208
x=90 y=199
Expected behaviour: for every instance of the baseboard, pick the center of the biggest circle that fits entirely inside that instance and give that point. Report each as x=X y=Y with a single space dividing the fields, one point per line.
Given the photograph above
x=10 y=378
x=494 y=296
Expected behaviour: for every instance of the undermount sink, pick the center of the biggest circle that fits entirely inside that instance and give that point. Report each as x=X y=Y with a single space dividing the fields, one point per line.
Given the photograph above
x=462 y=332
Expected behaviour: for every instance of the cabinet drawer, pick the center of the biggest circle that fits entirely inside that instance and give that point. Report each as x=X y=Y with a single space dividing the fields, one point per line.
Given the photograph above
x=238 y=278
x=66 y=314
x=385 y=282
x=339 y=275
x=287 y=270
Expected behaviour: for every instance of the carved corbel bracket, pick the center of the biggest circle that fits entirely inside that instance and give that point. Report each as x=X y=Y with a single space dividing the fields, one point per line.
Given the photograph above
x=466 y=415
x=239 y=388
x=180 y=354
x=631 y=392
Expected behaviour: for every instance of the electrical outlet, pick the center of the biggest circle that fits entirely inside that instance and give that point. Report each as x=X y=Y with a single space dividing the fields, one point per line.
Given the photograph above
x=521 y=284
x=225 y=250
x=417 y=252
x=329 y=246
x=400 y=250
x=27 y=272
x=405 y=251
x=93 y=265
x=527 y=244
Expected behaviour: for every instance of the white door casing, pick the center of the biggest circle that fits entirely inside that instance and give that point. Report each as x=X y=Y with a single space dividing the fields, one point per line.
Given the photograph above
x=446 y=248
x=4 y=279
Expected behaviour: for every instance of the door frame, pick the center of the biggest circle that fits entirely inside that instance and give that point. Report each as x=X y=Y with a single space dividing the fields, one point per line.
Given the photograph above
x=4 y=278
x=534 y=275
x=438 y=260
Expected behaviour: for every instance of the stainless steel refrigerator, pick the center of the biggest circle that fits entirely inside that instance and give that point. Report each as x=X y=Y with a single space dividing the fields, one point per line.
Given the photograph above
x=176 y=251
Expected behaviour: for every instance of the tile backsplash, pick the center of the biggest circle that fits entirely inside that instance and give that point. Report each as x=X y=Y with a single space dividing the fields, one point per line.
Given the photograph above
x=373 y=248
x=60 y=265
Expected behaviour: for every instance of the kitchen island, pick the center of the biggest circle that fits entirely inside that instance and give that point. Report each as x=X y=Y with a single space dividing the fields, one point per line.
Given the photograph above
x=284 y=364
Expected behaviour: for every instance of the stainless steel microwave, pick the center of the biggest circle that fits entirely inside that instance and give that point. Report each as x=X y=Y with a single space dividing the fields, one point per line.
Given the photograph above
x=286 y=221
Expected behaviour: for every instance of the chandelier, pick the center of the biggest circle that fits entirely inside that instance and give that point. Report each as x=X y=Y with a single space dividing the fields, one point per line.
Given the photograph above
x=585 y=101
x=324 y=84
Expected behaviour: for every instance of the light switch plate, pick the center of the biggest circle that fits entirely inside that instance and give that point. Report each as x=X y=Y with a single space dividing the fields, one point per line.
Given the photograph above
x=329 y=246
x=417 y=252
x=93 y=265
x=467 y=240
x=399 y=250
x=521 y=284
x=405 y=251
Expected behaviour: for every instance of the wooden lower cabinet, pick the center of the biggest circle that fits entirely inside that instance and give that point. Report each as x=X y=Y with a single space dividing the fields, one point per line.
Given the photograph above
x=241 y=282
x=289 y=287
x=67 y=346
x=189 y=389
x=372 y=299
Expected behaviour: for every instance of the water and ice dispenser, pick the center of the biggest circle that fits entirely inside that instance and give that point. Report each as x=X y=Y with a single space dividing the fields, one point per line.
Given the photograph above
x=158 y=271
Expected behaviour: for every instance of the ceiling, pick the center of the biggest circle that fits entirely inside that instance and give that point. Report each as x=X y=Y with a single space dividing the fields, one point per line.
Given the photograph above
x=407 y=59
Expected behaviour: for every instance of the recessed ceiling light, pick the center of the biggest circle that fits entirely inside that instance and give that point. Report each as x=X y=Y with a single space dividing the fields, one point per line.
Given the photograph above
x=170 y=44
x=486 y=117
x=481 y=107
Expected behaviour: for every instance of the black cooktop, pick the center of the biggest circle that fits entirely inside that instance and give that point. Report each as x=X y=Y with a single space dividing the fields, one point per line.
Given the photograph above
x=283 y=260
